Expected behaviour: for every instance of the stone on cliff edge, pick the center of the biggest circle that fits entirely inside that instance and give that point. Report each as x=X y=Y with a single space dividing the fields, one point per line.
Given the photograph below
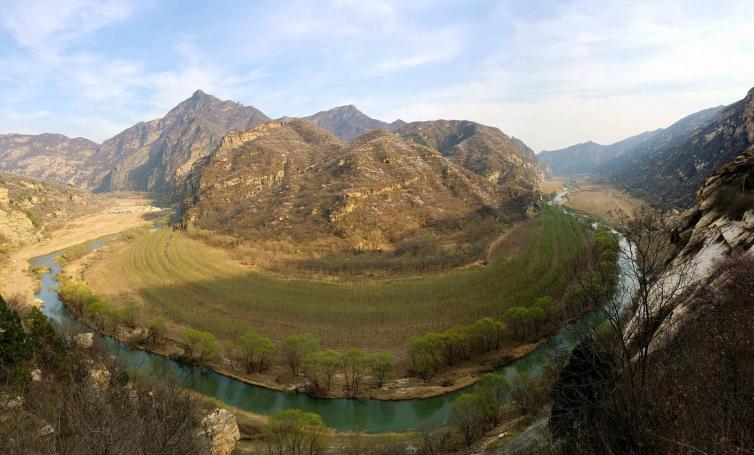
x=221 y=431
x=84 y=340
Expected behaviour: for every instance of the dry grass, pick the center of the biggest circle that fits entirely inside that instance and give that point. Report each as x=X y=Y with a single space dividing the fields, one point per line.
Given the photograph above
x=192 y=284
x=602 y=201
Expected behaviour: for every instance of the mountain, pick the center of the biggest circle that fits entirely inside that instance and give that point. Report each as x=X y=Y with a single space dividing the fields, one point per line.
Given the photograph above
x=485 y=151
x=153 y=156
x=348 y=123
x=293 y=180
x=52 y=157
x=149 y=156
x=584 y=158
x=668 y=168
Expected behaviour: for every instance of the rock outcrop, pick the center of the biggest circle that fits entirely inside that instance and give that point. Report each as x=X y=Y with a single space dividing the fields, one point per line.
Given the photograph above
x=221 y=431
x=721 y=223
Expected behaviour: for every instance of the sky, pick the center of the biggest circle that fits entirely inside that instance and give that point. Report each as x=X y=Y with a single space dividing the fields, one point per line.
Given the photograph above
x=552 y=73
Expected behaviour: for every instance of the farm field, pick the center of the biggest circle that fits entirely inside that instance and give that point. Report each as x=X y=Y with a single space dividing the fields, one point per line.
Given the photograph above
x=192 y=284
x=602 y=201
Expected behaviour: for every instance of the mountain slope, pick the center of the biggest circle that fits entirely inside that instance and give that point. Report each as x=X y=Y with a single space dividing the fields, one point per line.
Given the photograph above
x=348 y=123
x=485 y=151
x=153 y=156
x=52 y=157
x=584 y=158
x=670 y=167
x=296 y=181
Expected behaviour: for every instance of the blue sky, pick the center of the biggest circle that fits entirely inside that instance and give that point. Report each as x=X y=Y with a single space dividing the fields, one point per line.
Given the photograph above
x=551 y=73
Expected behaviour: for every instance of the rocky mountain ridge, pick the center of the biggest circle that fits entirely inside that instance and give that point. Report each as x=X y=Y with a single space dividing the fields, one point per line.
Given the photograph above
x=291 y=179
x=584 y=158
x=348 y=122
x=485 y=151
x=52 y=157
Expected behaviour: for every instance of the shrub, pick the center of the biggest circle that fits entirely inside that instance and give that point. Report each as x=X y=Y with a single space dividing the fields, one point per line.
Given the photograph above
x=295 y=432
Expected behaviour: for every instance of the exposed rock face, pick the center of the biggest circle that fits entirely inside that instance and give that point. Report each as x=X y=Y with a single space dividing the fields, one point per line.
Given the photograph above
x=669 y=167
x=221 y=431
x=485 y=151
x=153 y=156
x=584 y=158
x=294 y=180
x=348 y=123
x=722 y=222
x=84 y=340
x=51 y=157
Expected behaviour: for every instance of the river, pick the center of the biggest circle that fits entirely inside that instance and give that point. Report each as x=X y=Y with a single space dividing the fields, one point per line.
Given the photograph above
x=342 y=414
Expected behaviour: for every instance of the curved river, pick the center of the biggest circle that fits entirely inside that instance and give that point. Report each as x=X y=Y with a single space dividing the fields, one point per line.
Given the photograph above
x=372 y=416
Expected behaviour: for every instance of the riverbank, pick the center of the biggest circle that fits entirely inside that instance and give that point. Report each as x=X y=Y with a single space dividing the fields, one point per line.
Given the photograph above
x=16 y=280
x=279 y=379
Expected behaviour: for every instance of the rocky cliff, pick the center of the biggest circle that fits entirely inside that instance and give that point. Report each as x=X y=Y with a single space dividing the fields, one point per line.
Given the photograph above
x=719 y=225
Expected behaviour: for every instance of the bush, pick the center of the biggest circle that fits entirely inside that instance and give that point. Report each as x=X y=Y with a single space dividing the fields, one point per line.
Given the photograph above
x=199 y=346
x=295 y=432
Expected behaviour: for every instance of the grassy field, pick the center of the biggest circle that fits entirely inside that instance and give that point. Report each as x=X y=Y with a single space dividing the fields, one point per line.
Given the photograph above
x=192 y=284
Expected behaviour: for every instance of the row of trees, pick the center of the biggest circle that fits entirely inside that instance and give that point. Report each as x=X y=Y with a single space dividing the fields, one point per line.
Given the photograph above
x=430 y=353
x=103 y=315
x=252 y=352
x=321 y=366
x=295 y=432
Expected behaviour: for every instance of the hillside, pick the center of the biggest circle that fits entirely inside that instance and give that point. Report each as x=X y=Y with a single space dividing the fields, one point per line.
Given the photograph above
x=292 y=182
x=669 y=166
x=52 y=157
x=152 y=156
x=485 y=151
x=30 y=208
x=584 y=158
x=348 y=122
x=149 y=156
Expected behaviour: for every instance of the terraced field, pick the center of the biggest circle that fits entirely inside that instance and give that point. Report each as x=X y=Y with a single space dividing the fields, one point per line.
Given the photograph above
x=195 y=285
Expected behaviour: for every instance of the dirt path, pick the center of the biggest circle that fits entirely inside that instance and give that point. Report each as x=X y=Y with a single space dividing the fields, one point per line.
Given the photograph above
x=120 y=215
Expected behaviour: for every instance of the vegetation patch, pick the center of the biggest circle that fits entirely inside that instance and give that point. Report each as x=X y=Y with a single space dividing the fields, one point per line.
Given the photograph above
x=190 y=284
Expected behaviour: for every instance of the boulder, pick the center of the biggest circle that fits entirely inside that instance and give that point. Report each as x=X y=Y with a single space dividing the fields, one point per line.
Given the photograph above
x=84 y=340
x=221 y=431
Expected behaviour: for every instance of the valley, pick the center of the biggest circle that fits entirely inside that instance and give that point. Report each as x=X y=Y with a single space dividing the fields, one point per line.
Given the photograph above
x=190 y=284
x=396 y=270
